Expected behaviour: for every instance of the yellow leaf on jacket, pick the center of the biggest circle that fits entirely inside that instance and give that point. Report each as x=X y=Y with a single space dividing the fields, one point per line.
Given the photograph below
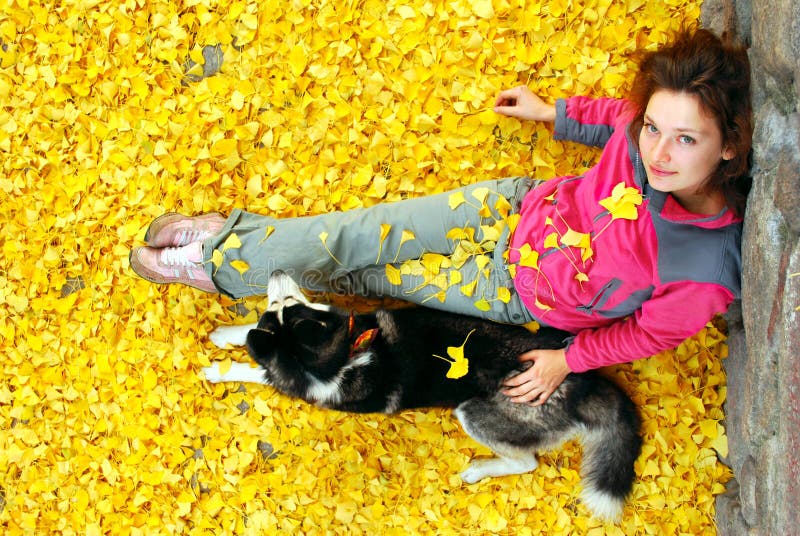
x=551 y=241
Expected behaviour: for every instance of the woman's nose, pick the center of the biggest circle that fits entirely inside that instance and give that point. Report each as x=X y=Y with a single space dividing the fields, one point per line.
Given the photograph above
x=661 y=150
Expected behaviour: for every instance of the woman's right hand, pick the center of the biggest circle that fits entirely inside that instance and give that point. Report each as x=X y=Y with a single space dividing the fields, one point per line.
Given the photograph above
x=520 y=102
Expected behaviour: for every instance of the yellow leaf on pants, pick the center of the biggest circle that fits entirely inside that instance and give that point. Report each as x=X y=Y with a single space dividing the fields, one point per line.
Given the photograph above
x=240 y=266
x=393 y=275
x=232 y=242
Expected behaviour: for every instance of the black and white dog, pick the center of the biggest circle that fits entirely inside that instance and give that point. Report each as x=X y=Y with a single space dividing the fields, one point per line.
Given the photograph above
x=392 y=360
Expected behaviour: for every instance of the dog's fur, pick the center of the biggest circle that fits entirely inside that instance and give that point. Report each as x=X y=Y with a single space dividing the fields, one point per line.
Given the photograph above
x=304 y=350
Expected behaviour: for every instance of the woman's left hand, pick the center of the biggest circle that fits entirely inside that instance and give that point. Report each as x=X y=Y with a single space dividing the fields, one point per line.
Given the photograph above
x=536 y=384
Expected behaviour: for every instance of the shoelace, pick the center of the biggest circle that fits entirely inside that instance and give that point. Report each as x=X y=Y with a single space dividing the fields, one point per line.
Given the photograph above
x=176 y=257
x=187 y=236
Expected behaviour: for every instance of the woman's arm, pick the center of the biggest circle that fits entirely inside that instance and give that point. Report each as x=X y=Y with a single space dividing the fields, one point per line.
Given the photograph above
x=675 y=312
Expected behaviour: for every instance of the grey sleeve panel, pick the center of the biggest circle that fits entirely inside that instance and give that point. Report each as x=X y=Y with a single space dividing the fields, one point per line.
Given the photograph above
x=567 y=128
x=690 y=253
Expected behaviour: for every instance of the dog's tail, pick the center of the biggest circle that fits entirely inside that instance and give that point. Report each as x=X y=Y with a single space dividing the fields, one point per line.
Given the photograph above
x=611 y=445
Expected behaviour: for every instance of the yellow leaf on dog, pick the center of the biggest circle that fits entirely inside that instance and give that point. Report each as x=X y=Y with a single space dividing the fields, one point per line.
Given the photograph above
x=459 y=365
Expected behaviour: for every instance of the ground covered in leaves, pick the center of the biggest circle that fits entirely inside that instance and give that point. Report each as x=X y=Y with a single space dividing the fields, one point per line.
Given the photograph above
x=113 y=112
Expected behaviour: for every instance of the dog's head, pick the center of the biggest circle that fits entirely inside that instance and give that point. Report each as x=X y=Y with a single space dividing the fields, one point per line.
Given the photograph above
x=301 y=339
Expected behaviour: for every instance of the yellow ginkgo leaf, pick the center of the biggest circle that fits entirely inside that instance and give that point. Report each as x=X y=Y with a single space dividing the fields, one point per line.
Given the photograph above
x=224 y=147
x=622 y=202
x=432 y=262
x=323 y=237
x=217 y=258
x=458 y=233
x=512 y=270
x=456 y=199
x=492 y=232
x=504 y=295
x=458 y=369
x=483 y=305
x=240 y=266
x=385 y=229
x=270 y=229
x=298 y=59
x=528 y=256
x=480 y=194
x=393 y=274
x=512 y=221
x=232 y=242
x=575 y=239
x=481 y=261
x=406 y=236
x=468 y=289
x=551 y=241
x=502 y=206
x=482 y=8
x=459 y=364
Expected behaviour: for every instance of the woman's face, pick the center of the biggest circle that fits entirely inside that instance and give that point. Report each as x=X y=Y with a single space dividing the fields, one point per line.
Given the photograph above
x=681 y=146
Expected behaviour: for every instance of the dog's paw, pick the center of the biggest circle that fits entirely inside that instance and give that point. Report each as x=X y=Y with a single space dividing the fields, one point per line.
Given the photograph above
x=473 y=473
x=233 y=335
x=213 y=373
x=491 y=467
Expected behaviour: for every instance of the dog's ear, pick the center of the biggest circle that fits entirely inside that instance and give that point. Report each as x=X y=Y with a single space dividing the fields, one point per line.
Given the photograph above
x=260 y=342
x=310 y=331
x=269 y=322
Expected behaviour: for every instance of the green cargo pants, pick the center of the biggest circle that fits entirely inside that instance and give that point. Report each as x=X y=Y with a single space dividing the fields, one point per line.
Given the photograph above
x=447 y=251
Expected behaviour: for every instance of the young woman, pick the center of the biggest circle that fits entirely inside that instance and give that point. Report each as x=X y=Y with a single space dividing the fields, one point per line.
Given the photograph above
x=633 y=256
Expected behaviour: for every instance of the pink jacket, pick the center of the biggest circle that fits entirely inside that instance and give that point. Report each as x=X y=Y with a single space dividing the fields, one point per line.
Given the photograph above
x=605 y=256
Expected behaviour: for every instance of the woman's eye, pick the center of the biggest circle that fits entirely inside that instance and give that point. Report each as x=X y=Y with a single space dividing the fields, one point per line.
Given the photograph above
x=687 y=140
x=650 y=128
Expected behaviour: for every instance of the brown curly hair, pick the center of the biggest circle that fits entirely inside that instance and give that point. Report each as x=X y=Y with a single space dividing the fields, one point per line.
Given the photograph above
x=717 y=71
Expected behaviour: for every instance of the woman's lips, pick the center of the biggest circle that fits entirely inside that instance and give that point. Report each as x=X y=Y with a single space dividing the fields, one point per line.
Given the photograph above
x=658 y=172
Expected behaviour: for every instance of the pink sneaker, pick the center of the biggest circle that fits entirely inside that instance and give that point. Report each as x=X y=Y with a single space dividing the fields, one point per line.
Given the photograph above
x=175 y=230
x=172 y=265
